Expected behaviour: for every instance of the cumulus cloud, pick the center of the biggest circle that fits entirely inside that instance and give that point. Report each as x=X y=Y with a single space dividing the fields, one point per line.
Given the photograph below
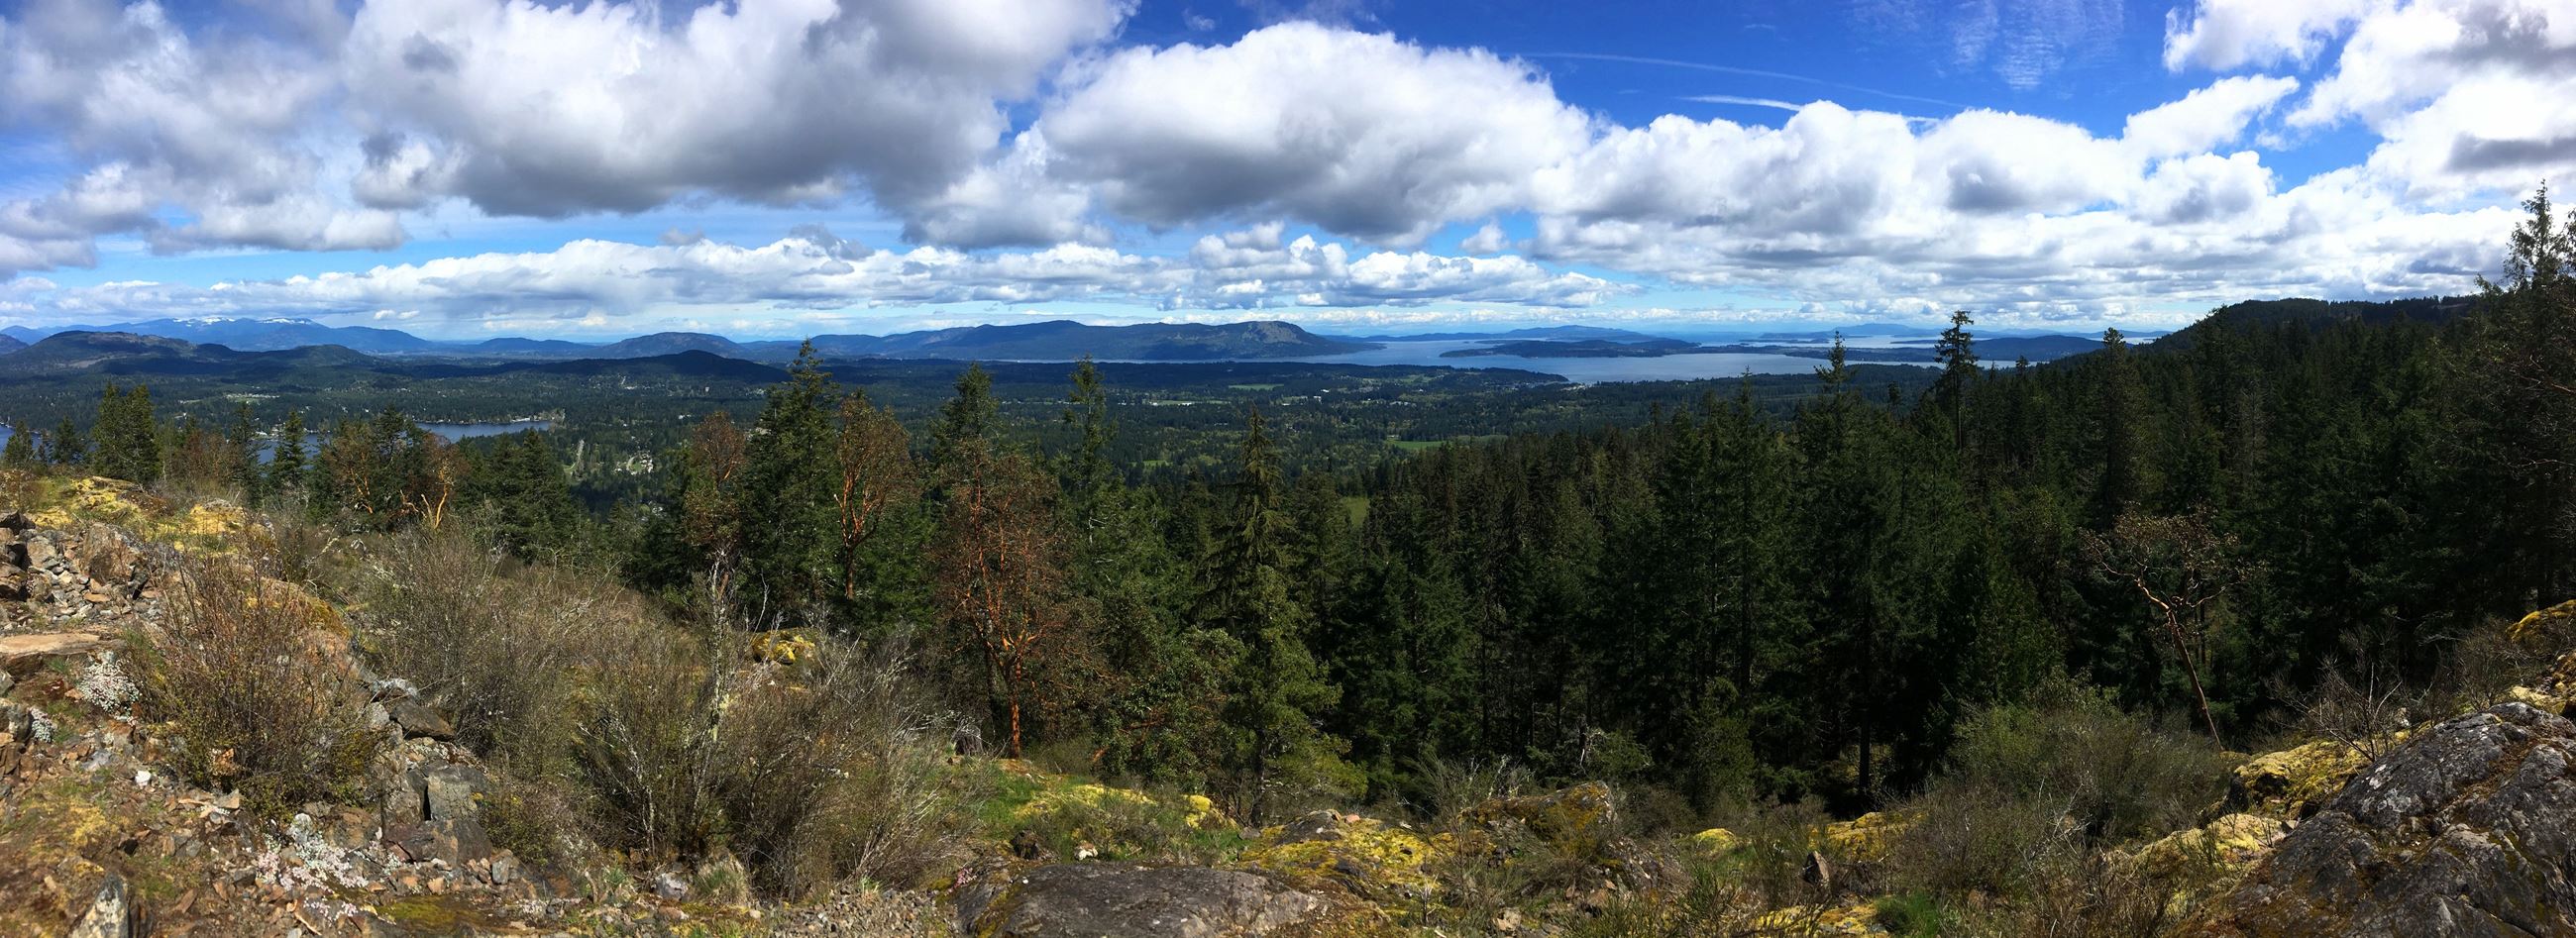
x=1357 y=132
x=2228 y=34
x=2208 y=117
x=526 y=109
x=208 y=127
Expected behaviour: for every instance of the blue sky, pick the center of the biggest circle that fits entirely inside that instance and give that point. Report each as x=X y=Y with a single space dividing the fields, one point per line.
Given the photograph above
x=780 y=167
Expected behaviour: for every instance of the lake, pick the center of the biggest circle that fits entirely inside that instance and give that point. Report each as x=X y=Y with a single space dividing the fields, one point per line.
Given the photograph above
x=450 y=432
x=1694 y=366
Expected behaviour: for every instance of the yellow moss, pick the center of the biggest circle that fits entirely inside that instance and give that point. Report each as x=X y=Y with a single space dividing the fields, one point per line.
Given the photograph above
x=2232 y=843
x=1574 y=819
x=2551 y=619
x=784 y=647
x=1799 y=921
x=2281 y=783
x=2542 y=700
x=1371 y=857
x=1061 y=797
x=1715 y=841
x=1203 y=812
x=1867 y=838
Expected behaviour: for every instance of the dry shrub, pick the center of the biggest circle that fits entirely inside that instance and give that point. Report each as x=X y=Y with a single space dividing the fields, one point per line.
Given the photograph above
x=811 y=773
x=494 y=643
x=19 y=489
x=251 y=675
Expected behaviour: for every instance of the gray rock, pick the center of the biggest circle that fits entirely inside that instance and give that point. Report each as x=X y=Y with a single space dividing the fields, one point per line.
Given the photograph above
x=1089 y=900
x=2467 y=829
x=110 y=915
x=451 y=790
x=393 y=688
x=670 y=886
x=417 y=719
x=456 y=841
x=407 y=800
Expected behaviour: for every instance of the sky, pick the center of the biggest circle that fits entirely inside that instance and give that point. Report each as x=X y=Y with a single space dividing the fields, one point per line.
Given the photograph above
x=771 y=168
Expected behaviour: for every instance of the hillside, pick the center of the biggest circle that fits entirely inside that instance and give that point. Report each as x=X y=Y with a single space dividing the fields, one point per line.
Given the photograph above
x=10 y=344
x=2318 y=314
x=120 y=613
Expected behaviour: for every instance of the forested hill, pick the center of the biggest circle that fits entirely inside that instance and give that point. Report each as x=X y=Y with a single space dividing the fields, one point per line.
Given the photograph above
x=2311 y=313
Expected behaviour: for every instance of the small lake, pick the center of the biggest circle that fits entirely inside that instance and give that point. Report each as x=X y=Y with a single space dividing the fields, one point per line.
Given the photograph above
x=450 y=432
x=1694 y=366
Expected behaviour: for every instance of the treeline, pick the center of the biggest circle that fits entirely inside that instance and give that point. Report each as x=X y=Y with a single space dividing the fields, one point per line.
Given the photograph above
x=1724 y=603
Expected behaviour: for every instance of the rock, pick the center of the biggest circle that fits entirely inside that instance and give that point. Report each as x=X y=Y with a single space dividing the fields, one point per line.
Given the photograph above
x=670 y=886
x=406 y=800
x=1819 y=872
x=451 y=790
x=457 y=841
x=505 y=868
x=1088 y=900
x=392 y=689
x=1867 y=838
x=1716 y=841
x=2291 y=783
x=1366 y=856
x=417 y=719
x=2469 y=828
x=23 y=654
x=1574 y=820
x=109 y=915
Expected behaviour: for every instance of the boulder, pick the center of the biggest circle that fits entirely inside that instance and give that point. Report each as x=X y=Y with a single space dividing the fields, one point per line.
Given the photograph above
x=417 y=719
x=451 y=790
x=23 y=654
x=110 y=915
x=1575 y=820
x=1366 y=856
x=2293 y=782
x=2469 y=828
x=457 y=841
x=1090 y=900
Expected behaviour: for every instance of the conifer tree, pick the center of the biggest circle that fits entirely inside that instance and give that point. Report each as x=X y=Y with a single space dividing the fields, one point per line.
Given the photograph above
x=21 y=451
x=65 y=446
x=1277 y=690
x=286 y=464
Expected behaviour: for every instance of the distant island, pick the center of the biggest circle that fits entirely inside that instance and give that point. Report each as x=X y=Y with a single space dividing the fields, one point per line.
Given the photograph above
x=1997 y=350
x=1580 y=348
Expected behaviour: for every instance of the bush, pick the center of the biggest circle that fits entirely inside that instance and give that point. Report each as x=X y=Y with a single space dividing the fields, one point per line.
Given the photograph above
x=811 y=773
x=2119 y=777
x=495 y=644
x=250 y=674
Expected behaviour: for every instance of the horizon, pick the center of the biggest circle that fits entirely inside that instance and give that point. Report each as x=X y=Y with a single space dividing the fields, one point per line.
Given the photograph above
x=591 y=172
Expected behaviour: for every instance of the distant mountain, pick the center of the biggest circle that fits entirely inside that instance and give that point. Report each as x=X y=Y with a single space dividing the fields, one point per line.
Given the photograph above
x=547 y=348
x=26 y=335
x=2038 y=348
x=9 y=343
x=1579 y=348
x=277 y=334
x=126 y=353
x=1533 y=332
x=2317 y=314
x=1066 y=340
x=665 y=343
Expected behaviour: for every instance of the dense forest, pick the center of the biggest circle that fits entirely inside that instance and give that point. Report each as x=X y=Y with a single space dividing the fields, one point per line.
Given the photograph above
x=1736 y=599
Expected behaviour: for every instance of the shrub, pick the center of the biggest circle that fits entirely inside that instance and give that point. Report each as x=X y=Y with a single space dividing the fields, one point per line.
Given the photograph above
x=2119 y=777
x=497 y=645
x=811 y=773
x=248 y=672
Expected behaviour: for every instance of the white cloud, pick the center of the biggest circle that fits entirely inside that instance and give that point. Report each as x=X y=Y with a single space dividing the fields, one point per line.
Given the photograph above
x=812 y=269
x=2230 y=34
x=1357 y=132
x=2208 y=117
x=535 y=110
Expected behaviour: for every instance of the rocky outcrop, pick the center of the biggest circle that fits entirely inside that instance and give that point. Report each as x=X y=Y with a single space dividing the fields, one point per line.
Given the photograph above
x=2469 y=828
x=1092 y=900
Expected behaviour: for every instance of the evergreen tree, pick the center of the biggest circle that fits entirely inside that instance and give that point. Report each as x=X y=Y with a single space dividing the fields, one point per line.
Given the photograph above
x=66 y=446
x=286 y=464
x=1277 y=690
x=21 y=451
x=129 y=445
x=241 y=457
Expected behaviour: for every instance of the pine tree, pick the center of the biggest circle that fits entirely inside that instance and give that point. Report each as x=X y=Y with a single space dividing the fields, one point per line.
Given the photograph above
x=21 y=451
x=1277 y=689
x=66 y=446
x=286 y=463
x=2116 y=401
x=241 y=457
x=129 y=445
